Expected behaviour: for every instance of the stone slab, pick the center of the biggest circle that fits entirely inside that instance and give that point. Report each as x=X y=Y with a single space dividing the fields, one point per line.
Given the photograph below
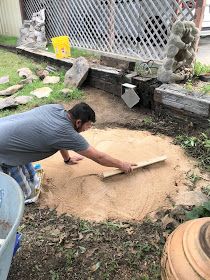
x=174 y=97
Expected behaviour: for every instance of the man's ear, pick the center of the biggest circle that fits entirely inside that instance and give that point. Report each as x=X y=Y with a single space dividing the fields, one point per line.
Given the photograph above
x=78 y=123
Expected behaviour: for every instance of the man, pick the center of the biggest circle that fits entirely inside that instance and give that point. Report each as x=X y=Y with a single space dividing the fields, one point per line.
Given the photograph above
x=41 y=132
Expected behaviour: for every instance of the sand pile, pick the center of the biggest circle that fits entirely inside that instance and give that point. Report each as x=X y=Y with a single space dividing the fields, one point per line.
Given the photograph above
x=76 y=190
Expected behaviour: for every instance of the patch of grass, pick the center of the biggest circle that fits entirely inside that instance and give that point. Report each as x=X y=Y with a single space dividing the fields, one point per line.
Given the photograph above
x=197 y=147
x=76 y=52
x=148 y=120
x=54 y=275
x=200 y=68
x=189 y=85
x=206 y=89
x=8 y=40
x=11 y=62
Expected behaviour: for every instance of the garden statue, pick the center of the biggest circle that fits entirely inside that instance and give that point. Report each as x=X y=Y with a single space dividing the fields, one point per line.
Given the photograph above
x=180 y=53
x=32 y=33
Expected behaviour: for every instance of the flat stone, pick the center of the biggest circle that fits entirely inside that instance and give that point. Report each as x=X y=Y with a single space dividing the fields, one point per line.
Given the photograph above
x=24 y=72
x=42 y=73
x=51 y=80
x=23 y=99
x=191 y=198
x=10 y=90
x=65 y=90
x=77 y=74
x=4 y=80
x=11 y=101
x=42 y=92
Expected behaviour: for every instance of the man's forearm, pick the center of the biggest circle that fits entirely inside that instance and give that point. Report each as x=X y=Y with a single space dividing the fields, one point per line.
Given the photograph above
x=106 y=160
x=65 y=154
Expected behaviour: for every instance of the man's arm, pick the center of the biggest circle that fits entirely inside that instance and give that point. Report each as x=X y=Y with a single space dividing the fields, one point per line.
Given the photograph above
x=70 y=160
x=106 y=160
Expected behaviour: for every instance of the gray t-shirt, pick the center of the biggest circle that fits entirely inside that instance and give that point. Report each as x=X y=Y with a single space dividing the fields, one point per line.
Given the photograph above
x=37 y=134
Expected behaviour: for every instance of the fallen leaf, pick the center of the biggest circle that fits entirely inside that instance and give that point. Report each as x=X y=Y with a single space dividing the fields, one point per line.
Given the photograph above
x=95 y=267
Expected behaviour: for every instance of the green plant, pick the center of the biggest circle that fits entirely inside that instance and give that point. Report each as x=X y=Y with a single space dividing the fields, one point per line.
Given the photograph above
x=54 y=275
x=197 y=147
x=206 y=190
x=200 y=68
x=193 y=178
x=206 y=89
x=199 y=211
x=70 y=256
x=189 y=85
x=148 y=120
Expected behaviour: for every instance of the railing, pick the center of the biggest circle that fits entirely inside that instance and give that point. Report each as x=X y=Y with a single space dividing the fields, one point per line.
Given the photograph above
x=138 y=28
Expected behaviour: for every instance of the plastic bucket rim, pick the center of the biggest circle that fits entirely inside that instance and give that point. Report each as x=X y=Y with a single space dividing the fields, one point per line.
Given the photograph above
x=19 y=214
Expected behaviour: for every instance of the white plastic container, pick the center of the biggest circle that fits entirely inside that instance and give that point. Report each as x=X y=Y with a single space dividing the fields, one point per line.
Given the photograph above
x=11 y=212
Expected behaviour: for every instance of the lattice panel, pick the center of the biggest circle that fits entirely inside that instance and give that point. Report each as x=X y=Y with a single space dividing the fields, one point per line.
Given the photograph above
x=138 y=28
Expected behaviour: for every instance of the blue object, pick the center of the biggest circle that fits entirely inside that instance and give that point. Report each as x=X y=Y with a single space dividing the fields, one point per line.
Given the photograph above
x=37 y=166
x=11 y=212
x=17 y=242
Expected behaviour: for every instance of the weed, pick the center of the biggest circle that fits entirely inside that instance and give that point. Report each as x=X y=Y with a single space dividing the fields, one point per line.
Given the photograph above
x=200 y=68
x=189 y=85
x=85 y=227
x=206 y=190
x=144 y=277
x=110 y=268
x=54 y=275
x=154 y=269
x=148 y=120
x=193 y=179
x=197 y=147
x=199 y=211
x=70 y=256
x=206 y=89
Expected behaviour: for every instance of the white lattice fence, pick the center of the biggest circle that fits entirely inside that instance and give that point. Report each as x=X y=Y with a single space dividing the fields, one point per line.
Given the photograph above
x=138 y=28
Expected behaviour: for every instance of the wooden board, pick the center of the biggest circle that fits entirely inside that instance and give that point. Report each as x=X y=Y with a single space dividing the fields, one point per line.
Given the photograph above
x=110 y=173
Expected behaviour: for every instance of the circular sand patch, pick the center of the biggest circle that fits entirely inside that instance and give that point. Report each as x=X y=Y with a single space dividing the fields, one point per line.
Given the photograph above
x=77 y=189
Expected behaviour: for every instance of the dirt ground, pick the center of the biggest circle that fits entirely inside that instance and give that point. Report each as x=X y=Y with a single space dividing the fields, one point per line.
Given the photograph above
x=119 y=245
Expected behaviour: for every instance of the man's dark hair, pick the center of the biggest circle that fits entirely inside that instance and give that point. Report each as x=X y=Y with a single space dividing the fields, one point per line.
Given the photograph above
x=83 y=112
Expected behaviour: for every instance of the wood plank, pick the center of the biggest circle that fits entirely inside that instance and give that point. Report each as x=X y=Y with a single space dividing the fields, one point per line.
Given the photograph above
x=140 y=164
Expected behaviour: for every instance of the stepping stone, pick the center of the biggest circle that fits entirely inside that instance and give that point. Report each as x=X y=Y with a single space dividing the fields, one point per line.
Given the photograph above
x=77 y=74
x=4 y=80
x=24 y=72
x=42 y=92
x=10 y=90
x=14 y=101
x=51 y=80
x=65 y=92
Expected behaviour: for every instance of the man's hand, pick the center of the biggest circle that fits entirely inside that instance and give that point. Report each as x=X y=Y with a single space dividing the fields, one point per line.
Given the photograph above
x=74 y=160
x=127 y=167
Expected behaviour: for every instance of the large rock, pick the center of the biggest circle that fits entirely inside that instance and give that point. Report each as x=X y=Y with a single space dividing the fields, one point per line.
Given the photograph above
x=4 y=80
x=14 y=101
x=42 y=92
x=24 y=73
x=191 y=198
x=10 y=90
x=77 y=74
x=51 y=80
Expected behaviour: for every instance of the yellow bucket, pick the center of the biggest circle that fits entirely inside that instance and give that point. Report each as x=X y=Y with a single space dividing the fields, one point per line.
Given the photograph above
x=61 y=46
